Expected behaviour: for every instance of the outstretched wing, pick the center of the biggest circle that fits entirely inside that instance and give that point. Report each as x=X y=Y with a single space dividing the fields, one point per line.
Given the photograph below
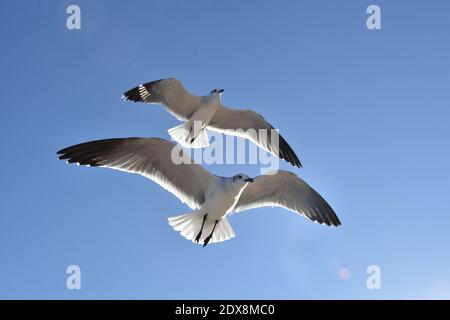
x=168 y=92
x=285 y=189
x=150 y=157
x=251 y=125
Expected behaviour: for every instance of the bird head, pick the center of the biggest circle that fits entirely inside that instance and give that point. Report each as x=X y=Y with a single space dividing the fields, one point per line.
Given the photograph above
x=241 y=179
x=217 y=92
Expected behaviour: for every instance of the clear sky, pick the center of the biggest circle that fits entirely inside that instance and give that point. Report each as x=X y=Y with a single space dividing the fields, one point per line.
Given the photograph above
x=367 y=112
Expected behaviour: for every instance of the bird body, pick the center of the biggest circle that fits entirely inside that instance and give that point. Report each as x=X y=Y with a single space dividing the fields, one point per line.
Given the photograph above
x=208 y=106
x=212 y=198
x=223 y=197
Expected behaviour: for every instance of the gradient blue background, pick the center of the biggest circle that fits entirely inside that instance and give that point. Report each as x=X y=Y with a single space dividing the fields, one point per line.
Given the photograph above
x=366 y=111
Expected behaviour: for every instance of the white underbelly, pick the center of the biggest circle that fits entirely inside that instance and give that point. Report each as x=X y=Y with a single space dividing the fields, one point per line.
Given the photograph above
x=221 y=203
x=217 y=208
x=205 y=113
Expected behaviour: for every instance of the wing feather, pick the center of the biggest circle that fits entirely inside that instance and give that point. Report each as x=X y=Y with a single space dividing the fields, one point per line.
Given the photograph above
x=170 y=93
x=251 y=125
x=285 y=189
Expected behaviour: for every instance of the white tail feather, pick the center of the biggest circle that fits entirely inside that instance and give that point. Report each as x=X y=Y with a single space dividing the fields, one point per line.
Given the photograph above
x=187 y=137
x=189 y=226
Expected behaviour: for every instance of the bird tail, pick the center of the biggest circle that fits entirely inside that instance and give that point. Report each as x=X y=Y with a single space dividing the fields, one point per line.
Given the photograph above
x=190 y=135
x=189 y=226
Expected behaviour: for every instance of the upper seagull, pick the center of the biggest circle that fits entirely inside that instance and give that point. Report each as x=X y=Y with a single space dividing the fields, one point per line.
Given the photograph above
x=207 y=112
x=212 y=198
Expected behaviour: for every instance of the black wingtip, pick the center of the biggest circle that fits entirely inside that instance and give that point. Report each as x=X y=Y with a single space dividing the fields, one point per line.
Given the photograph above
x=287 y=154
x=332 y=219
x=88 y=153
x=298 y=164
x=142 y=93
x=337 y=222
x=132 y=95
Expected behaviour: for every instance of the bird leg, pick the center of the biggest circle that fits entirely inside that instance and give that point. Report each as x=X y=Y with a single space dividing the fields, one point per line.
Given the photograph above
x=197 y=238
x=190 y=133
x=196 y=135
x=205 y=243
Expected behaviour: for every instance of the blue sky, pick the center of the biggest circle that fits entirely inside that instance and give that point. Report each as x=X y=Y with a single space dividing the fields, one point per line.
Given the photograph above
x=366 y=111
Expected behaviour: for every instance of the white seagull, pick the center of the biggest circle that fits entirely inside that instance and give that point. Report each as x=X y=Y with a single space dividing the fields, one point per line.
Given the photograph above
x=207 y=112
x=212 y=198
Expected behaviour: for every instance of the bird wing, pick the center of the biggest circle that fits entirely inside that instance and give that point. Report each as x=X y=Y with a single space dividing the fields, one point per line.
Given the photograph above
x=251 y=125
x=149 y=157
x=168 y=92
x=285 y=189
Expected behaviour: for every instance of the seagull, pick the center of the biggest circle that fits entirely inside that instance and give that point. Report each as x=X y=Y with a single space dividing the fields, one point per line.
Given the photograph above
x=200 y=113
x=211 y=198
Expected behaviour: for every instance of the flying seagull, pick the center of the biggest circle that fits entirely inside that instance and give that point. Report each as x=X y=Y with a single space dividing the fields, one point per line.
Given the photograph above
x=211 y=198
x=200 y=113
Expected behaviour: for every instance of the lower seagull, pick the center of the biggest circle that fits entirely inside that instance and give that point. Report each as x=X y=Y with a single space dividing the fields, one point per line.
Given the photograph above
x=212 y=198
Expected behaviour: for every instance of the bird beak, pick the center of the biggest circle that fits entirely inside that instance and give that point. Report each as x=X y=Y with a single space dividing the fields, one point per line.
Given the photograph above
x=248 y=180
x=221 y=90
